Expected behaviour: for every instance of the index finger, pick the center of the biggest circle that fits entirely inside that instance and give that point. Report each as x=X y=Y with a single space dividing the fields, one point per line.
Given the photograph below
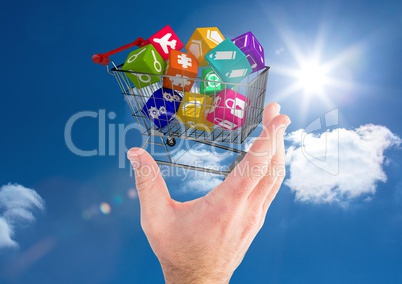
x=246 y=175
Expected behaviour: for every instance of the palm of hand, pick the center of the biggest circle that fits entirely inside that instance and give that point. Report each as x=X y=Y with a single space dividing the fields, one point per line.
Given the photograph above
x=204 y=240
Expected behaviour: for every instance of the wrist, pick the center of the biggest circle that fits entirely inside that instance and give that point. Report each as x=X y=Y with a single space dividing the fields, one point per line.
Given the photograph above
x=194 y=276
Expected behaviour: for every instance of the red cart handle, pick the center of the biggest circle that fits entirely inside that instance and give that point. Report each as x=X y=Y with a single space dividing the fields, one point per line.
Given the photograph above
x=104 y=58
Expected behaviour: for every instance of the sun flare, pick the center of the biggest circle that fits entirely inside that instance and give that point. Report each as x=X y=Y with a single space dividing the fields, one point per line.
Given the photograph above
x=312 y=78
x=310 y=75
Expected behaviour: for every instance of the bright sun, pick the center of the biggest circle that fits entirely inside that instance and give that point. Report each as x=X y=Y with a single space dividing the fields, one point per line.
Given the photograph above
x=312 y=78
x=314 y=73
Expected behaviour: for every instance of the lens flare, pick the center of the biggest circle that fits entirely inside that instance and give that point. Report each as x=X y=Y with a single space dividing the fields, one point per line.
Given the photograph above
x=90 y=212
x=105 y=208
x=117 y=199
x=315 y=70
x=132 y=193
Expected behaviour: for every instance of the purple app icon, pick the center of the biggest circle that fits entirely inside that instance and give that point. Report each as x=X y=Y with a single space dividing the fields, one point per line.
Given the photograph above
x=253 y=50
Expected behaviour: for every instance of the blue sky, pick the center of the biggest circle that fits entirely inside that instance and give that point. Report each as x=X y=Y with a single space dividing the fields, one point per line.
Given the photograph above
x=350 y=232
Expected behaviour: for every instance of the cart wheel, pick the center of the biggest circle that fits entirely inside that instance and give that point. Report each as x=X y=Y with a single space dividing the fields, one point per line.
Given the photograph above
x=171 y=141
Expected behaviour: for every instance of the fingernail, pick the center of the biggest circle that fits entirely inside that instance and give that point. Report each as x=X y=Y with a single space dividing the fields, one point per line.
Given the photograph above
x=289 y=122
x=132 y=155
x=285 y=126
x=277 y=107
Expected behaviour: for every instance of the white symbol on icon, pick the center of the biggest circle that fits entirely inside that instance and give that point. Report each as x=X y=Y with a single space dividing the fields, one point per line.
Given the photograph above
x=162 y=110
x=196 y=48
x=180 y=80
x=214 y=36
x=192 y=104
x=225 y=123
x=241 y=38
x=164 y=42
x=223 y=55
x=168 y=97
x=255 y=42
x=237 y=107
x=250 y=58
x=217 y=101
x=184 y=61
x=192 y=108
x=236 y=73
x=211 y=76
x=134 y=56
x=143 y=78
x=153 y=112
x=157 y=64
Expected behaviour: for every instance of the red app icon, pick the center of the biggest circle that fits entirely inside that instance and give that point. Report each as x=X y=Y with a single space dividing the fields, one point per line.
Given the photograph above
x=165 y=40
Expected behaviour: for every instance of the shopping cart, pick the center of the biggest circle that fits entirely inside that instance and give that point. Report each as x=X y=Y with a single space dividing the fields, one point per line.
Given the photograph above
x=253 y=87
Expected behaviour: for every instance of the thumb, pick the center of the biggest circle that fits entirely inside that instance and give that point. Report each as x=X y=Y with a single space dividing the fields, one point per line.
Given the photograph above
x=151 y=186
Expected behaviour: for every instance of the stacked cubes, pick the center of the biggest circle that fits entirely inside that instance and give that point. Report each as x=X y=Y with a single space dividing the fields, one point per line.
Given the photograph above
x=144 y=60
x=228 y=110
x=193 y=109
x=165 y=41
x=226 y=62
x=181 y=68
x=203 y=41
x=253 y=50
x=229 y=62
x=211 y=83
x=162 y=106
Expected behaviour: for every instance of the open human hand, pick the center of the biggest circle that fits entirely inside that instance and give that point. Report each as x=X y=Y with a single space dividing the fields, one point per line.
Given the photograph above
x=205 y=240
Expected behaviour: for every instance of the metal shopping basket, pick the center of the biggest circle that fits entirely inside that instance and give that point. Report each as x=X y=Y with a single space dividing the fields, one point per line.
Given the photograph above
x=252 y=87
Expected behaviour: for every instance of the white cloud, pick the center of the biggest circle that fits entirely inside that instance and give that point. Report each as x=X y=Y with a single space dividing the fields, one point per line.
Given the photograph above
x=202 y=156
x=17 y=204
x=248 y=143
x=6 y=232
x=339 y=165
x=204 y=182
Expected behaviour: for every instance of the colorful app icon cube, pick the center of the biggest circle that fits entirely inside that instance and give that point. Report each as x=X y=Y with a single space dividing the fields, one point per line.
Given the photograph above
x=193 y=110
x=162 y=106
x=211 y=84
x=202 y=41
x=144 y=60
x=181 y=68
x=229 y=62
x=165 y=41
x=229 y=109
x=253 y=50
